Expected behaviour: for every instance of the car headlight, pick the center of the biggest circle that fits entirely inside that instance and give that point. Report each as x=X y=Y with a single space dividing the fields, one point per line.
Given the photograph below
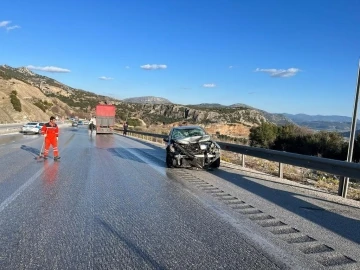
x=203 y=146
x=172 y=148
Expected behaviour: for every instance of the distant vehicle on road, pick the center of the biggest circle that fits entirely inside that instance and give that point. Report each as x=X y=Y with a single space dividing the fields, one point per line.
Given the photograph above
x=32 y=127
x=74 y=124
x=105 y=118
x=191 y=146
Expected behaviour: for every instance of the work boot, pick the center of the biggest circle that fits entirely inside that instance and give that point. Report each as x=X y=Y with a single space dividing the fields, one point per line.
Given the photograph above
x=56 y=158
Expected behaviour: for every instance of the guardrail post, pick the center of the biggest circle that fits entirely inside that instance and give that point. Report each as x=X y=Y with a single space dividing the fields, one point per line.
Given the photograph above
x=281 y=170
x=342 y=190
x=243 y=160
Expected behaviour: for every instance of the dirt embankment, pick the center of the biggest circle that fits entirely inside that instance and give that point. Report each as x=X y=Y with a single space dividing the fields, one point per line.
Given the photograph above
x=28 y=95
x=232 y=130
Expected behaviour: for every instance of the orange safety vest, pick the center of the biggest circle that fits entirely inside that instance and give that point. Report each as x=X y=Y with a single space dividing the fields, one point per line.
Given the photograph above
x=51 y=132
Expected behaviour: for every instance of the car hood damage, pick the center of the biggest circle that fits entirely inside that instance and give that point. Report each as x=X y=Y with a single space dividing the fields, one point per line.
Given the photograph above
x=195 y=139
x=198 y=151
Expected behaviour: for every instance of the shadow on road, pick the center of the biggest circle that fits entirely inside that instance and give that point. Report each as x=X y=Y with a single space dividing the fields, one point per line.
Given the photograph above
x=31 y=150
x=327 y=218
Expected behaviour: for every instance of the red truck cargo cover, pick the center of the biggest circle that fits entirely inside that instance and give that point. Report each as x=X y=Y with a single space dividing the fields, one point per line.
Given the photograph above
x=105 y=110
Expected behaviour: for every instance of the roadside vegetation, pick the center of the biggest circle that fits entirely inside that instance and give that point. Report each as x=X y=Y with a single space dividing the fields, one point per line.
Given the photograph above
x=43 y=105
x=15 y=101
x=320 y=180
x=295 y=139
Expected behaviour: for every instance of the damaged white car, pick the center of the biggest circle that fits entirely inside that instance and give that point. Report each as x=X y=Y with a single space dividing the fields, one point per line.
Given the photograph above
x=190 y=146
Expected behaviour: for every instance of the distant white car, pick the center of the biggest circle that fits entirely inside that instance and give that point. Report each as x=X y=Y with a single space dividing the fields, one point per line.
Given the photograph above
x=32 y=127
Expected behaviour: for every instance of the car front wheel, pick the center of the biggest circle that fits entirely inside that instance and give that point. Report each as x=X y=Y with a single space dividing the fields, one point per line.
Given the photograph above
x=169 y=162
x=216 y=163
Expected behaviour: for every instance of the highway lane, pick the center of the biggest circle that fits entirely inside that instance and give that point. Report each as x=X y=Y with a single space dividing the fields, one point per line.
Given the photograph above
x=295 y=217
x=110 y=203
x=11 y=125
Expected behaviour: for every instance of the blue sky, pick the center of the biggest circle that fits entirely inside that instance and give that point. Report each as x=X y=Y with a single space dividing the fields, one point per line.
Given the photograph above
x=279 y=56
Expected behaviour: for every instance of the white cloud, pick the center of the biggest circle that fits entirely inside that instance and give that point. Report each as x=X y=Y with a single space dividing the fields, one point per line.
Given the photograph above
x=283 y=73
x=153 y=66
x=12 y=27
x=209 y=85
x=49 y=69
x=4 y=23
x=105 y=78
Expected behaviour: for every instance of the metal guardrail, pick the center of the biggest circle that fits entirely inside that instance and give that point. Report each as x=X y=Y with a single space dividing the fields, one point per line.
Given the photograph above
x=143 y=133
x=336 y=167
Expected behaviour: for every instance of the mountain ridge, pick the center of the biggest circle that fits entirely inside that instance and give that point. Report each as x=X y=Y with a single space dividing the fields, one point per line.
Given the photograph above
x=41 y=96
x=58 y=98
x=302 y=117
x=147 y=99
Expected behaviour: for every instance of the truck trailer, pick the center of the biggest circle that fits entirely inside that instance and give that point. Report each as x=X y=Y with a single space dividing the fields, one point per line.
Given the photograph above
x=105 y=118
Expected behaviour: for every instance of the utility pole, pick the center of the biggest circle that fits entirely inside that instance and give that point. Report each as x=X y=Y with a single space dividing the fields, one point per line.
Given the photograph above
x=344 y=181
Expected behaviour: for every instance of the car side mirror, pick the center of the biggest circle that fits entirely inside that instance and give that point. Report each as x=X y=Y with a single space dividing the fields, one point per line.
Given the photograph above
x=166 y=139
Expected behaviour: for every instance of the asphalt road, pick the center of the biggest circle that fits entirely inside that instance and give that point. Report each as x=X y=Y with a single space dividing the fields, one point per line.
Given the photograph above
x=10 y=128
x=110 y=203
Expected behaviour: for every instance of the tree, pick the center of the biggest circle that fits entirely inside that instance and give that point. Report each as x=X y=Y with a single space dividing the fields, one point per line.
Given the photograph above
x=286 y=138
x=134 y=122
x=356 y=153
x=263 y=135
x=331 y=145
x=15 y=101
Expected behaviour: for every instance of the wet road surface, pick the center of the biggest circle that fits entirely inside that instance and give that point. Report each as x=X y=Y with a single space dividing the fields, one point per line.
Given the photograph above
x=110 y=203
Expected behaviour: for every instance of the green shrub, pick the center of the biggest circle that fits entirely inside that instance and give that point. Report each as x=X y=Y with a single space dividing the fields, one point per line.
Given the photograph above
x=263 y=135
x=294 y=139
x=44 y=105
x=40 y=105
x=134 y=122
x=15 y=101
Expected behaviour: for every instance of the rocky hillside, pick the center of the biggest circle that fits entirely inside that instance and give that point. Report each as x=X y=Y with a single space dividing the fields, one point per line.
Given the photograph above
x=147 y=100
x=169 y=113
x=40 y=96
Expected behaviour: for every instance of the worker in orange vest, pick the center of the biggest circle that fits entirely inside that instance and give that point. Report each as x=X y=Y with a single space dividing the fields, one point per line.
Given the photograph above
x=51 y=135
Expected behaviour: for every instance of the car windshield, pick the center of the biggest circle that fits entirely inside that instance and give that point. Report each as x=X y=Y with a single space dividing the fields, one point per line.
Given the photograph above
x=186 y=133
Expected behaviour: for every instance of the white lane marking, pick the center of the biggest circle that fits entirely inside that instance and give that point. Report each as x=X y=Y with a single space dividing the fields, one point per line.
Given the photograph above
x=13 y=196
